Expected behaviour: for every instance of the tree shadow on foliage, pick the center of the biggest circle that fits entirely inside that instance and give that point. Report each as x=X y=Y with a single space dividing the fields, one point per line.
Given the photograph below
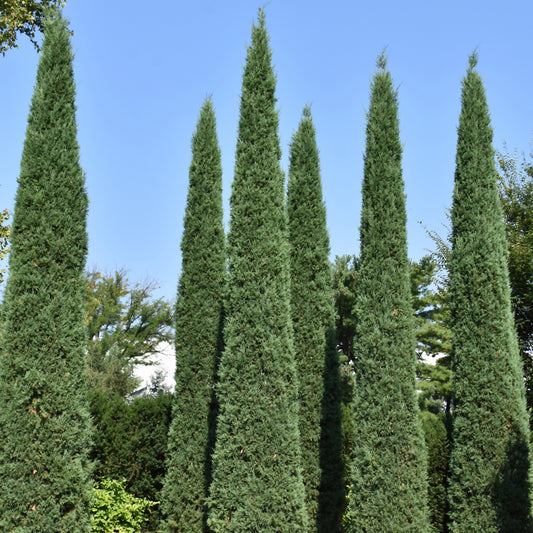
x=511 y=491
x=212 y=418
x=437 y=434
x=331 y=500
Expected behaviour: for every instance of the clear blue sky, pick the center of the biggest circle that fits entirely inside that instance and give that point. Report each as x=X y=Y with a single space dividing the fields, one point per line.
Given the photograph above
x=143 y=71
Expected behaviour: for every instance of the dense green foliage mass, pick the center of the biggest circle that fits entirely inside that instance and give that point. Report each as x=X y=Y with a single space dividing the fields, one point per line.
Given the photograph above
x=437 y=443
x=130 y=441
x=332 y=494
x=314 y=390
x=44 y=419
x=489 y=465
x=389 y=472
x=199 y=314
x=314 y=339
x=257 y=483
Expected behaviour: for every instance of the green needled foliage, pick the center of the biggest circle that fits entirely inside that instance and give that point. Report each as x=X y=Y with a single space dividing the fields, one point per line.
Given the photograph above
x=489 y=465
x=257 y=483
x=198 y=335
x=437 y=443
x=44 y=420
x=313 y=321
x=389 y=471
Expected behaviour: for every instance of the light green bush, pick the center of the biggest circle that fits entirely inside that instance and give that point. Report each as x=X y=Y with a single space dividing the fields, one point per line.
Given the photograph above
x=116 y=511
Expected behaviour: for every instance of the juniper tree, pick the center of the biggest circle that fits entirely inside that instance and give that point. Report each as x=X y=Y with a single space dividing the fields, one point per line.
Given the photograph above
x=489 y=464
x=389 y=478
x=198 y=334
x=257 y=482
x=44 y=421
x=313 y=321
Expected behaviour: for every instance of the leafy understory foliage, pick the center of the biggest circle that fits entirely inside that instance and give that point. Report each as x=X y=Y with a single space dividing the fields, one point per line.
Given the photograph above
x=4 y=239
x=115 y=510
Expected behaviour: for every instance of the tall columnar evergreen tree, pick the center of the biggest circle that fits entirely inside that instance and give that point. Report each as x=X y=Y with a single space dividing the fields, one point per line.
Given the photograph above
x=313 y=321
x=44 y=421
x=489 y=465
x=389 y=478
x=198 y=335
x=257 y=481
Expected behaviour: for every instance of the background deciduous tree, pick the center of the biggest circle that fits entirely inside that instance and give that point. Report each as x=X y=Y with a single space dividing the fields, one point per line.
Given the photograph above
x=125 y=325
x=22 y=17
x=4 y=239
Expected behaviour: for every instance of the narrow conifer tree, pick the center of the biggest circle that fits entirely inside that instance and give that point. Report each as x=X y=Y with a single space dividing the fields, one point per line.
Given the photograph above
x=489 y=465
x=198 y=335
x=44 y=419
x=257 y=482
x=389 y=470
x=313 y=321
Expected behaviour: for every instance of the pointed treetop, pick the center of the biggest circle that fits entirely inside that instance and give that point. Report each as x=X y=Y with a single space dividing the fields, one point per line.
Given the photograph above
x=207 y=103
x=261 y=17
x=472 y=60
x=54 y=9
x=306 y=113
x=381 y=61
